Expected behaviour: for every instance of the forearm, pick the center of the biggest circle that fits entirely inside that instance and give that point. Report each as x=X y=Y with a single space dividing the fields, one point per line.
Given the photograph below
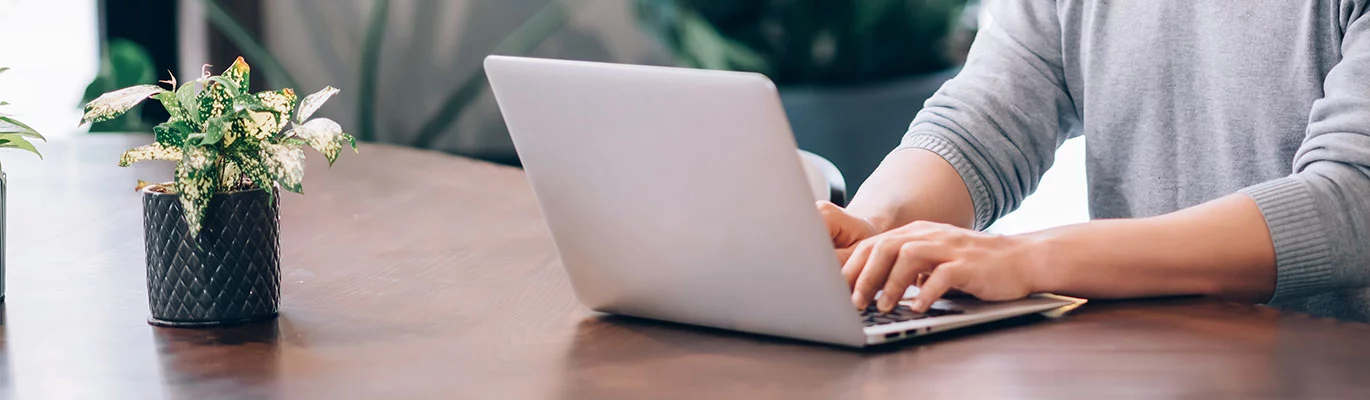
x=913 y=185
x=1221 y=248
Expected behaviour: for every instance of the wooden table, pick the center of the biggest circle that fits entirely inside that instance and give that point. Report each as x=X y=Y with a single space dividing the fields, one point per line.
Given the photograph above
x=413 y=274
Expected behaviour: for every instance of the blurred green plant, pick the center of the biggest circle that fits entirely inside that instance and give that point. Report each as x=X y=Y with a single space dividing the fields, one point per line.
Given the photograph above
x=123 y=63
x=275 y=72
x=535 y=30
x=15 y=134
x=807 y=42
x=225 y=138
x=523 y=39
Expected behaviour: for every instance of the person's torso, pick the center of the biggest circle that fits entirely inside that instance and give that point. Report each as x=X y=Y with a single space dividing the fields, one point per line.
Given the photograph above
x=1185 y=101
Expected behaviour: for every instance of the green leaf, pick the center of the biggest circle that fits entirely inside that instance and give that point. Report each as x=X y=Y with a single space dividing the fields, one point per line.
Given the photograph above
x=17 y=141
x=311 y=103
x=216 y=129
x=11 y=125
x=196 y=178
x=188 y=98
x=153 y=151
x=324 y=135
x=230 y=84
x=113 y=104
x=286 y=164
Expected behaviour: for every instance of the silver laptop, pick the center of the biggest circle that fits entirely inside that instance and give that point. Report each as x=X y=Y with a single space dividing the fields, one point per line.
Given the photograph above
x=677 y=194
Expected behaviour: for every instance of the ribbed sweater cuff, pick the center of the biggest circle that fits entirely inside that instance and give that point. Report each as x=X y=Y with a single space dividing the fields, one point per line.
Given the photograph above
x=979 y=193
x=1303 y=256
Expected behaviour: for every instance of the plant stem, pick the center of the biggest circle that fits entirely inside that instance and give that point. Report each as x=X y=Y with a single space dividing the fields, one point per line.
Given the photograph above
x=522 y=40
x=370 y=68
x=252 y=49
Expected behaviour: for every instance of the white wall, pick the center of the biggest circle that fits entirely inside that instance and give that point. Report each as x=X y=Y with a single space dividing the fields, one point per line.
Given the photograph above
x=50 y=46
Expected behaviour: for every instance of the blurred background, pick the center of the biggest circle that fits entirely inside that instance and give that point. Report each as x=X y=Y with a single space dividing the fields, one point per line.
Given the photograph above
x=852 y=74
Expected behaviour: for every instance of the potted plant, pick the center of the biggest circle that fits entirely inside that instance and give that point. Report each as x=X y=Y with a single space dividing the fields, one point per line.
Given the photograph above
x=13 y=135
x=851 y=74
x=212 y=235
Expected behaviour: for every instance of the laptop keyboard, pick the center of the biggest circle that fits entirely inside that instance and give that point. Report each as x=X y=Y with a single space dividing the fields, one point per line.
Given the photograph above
x=872 y=317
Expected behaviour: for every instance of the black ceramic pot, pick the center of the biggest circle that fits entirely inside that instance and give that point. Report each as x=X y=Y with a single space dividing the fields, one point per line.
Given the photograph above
x=229 y=274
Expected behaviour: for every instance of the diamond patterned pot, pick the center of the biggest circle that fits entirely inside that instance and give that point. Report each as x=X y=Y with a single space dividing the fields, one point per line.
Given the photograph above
x=230 y=274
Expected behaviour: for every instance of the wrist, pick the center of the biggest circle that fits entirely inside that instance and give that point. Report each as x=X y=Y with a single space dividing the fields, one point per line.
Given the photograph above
x=1045 y=259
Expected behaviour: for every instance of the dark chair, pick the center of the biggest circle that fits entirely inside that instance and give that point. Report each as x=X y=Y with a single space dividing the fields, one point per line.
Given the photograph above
x=837 y=186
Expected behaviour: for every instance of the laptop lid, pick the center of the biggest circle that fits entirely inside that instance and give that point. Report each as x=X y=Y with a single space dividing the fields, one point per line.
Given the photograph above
x=676 y=194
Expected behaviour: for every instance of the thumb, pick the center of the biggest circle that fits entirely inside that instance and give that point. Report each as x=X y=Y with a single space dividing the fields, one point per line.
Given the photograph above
x=832 y=215
x=843 y=254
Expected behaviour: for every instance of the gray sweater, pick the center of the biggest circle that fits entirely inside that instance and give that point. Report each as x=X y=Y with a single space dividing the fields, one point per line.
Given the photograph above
x=1183 y=101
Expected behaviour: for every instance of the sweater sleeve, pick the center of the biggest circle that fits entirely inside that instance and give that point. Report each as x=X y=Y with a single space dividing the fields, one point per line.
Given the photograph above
x=1000 y=120
x=1319 y=216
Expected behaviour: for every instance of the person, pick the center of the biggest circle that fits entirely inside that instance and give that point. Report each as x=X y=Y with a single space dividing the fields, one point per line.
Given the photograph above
x=1228 y=155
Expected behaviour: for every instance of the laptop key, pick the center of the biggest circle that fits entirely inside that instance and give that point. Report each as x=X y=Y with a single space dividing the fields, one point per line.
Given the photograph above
x=872 y=316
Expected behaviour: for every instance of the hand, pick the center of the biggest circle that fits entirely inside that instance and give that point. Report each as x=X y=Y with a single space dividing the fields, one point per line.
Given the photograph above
x=846 y=230
x=987 y=266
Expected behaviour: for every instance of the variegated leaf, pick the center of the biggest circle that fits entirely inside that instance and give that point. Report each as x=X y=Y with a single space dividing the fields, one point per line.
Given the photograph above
x=153 y=151
x=249 y=159
x=172 y=106
x=286 y=164
x=229 y=84
x=113 y=104
x=260 y=125
x=214 y=101
x=280 y=103
x=196 y=178
x=324 y=135
x=311 y=103
x=239 y=73
x=172 y=133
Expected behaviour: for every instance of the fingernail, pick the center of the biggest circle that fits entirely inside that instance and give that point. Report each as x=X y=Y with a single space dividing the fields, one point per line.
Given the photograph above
x=885 y=305
x=858 y=299
x=918 y=305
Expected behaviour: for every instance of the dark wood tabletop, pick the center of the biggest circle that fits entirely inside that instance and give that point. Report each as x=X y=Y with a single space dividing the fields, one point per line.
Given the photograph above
x=414 y=274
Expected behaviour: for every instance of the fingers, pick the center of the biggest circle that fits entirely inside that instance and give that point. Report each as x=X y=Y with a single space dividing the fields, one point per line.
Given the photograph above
x=915 y=259
x=851 y=269
x=893 y=264
x=879 y=258
x=943 y=278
